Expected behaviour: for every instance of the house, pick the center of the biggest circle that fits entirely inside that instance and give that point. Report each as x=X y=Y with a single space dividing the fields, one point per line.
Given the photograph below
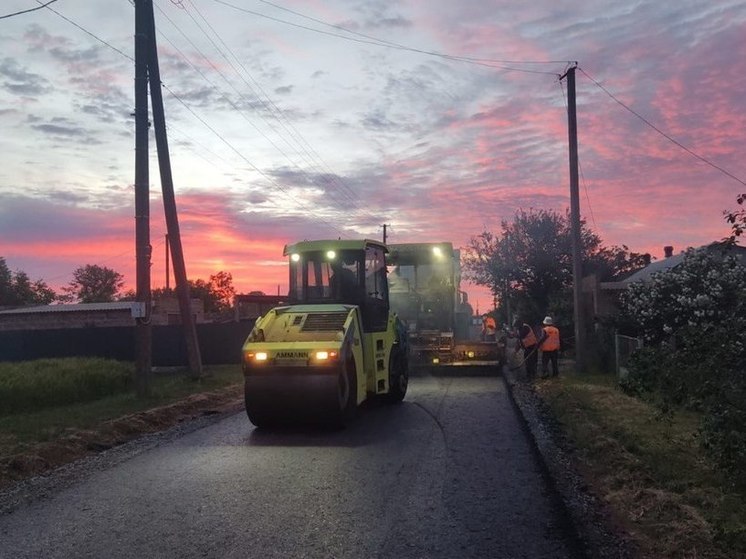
x=600 y=298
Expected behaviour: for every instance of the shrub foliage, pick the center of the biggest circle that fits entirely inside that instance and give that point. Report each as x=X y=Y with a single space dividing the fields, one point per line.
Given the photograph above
x=692 y=319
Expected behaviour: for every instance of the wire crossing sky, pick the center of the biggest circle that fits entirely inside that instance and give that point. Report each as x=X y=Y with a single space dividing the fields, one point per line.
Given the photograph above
x=297 y=120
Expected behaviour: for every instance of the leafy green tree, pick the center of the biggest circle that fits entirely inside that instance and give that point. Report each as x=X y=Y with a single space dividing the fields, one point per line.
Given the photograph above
x=94 y=284
x=530 y=260
x=16 y=289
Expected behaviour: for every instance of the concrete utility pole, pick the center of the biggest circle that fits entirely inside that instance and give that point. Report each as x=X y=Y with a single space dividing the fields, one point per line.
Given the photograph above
x=577 y=250
x=143 y=331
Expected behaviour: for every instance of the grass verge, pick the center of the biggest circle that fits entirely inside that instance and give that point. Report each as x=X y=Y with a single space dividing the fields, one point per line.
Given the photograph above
x=23 y=430
x=649 y=469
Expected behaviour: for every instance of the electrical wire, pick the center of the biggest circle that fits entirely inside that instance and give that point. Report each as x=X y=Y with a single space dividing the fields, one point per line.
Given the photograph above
x=661 y=132
x=273 y=109
x=29 y=10
x=387 y=44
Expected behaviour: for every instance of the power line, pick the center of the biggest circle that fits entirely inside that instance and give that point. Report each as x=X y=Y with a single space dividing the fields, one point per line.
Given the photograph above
x=29 y=10
x=235 y=107
x=387 y=44
x=303 y=147
x=404 y=47
x=662 y=133
x=195 y=114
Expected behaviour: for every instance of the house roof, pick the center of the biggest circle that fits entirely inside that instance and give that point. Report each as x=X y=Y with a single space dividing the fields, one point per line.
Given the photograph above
x=658 y=266
x=672 y=261
x=79 y=307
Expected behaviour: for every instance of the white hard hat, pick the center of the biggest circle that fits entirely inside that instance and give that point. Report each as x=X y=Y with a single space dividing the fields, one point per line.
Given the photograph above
x=548 y=320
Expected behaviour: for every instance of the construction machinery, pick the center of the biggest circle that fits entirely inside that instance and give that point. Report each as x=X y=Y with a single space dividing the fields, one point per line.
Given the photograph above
x=425 y=281
x=334 y=345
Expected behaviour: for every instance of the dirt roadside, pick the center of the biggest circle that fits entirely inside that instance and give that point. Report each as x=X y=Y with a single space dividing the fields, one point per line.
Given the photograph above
x=75 y=444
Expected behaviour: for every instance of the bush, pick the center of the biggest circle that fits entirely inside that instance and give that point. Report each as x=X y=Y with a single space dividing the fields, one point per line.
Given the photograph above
x=34 y=385
x=693 y=320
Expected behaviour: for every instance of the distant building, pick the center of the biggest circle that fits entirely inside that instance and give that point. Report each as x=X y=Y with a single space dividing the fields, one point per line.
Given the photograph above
x=87 y=315
x=252 y=306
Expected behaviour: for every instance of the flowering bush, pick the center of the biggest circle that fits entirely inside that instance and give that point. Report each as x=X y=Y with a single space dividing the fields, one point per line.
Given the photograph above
x=703 y=292
x=692 y=319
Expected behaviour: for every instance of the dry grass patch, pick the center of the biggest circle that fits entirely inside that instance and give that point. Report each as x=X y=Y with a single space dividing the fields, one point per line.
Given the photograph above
x=650 y=469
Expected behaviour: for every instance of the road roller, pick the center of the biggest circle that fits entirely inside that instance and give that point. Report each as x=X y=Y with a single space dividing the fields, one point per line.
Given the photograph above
x=334 y=345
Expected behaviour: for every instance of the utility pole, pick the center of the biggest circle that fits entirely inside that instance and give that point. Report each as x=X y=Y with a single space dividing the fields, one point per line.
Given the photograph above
x=147 y=72
x=577 y=250
x=169 y=200
x=168 y=266
x=143 y=331
x=384 y=233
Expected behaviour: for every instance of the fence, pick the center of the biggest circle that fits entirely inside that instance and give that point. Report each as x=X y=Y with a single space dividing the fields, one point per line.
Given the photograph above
x=624 y=346
x=219 y=343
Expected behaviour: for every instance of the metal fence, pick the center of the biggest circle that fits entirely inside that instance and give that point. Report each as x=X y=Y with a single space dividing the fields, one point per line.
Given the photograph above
x=624 y=346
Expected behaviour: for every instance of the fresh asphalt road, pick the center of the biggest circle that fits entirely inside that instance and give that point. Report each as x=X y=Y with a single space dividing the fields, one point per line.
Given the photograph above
x=449 y=473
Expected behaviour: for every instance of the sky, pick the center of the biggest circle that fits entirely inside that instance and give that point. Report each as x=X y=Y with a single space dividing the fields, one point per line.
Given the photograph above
x=312 y=119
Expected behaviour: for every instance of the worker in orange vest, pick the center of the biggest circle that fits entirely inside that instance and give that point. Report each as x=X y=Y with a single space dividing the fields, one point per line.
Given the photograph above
x=550 y=346
x=528 y=342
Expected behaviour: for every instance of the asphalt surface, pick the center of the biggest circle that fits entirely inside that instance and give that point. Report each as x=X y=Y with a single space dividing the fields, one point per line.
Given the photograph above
x=449 y=473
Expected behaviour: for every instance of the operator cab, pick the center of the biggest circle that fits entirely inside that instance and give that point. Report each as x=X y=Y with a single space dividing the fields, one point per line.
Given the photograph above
x=343 y=272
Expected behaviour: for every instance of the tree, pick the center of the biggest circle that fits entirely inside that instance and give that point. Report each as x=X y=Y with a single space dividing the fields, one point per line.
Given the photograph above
x=222 y=287
x=17 y=289
x=216 y=294
x=737 y=219
x=94 y=284
x=530 y=261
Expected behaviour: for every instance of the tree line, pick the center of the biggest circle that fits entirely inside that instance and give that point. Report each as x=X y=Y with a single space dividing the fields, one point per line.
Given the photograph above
x=99 y=284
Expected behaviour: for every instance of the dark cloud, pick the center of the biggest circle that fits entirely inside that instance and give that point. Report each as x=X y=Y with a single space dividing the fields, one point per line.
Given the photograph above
x=62 y=128
x=37 y=219
x=284 y=90
x=19 y=81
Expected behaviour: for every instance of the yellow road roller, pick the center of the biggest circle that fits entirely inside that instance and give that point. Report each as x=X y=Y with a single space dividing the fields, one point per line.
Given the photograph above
x=336 y=343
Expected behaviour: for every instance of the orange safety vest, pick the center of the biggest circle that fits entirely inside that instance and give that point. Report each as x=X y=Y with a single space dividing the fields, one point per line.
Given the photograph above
x=552 y=340
x=530 y=338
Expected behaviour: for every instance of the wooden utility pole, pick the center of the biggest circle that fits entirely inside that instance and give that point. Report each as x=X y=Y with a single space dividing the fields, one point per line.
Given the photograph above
x=169 y=200
x=146 y=71
x=577 y=249
x=143 y=332
x=384 y=233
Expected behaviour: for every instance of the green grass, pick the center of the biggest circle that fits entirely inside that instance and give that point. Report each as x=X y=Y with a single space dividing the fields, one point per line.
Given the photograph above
x=35 y=385
x=42 y=421
x=650 y=468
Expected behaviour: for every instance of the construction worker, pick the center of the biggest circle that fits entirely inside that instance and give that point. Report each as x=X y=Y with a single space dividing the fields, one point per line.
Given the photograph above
x=550 y=346
x=528 y=342
x=489 y=329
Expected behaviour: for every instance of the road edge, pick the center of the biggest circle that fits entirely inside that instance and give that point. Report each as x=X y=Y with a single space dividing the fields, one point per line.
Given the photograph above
x=590 y=518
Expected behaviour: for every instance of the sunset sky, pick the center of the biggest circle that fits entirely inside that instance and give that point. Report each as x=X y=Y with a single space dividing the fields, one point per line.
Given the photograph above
x=309 y=119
